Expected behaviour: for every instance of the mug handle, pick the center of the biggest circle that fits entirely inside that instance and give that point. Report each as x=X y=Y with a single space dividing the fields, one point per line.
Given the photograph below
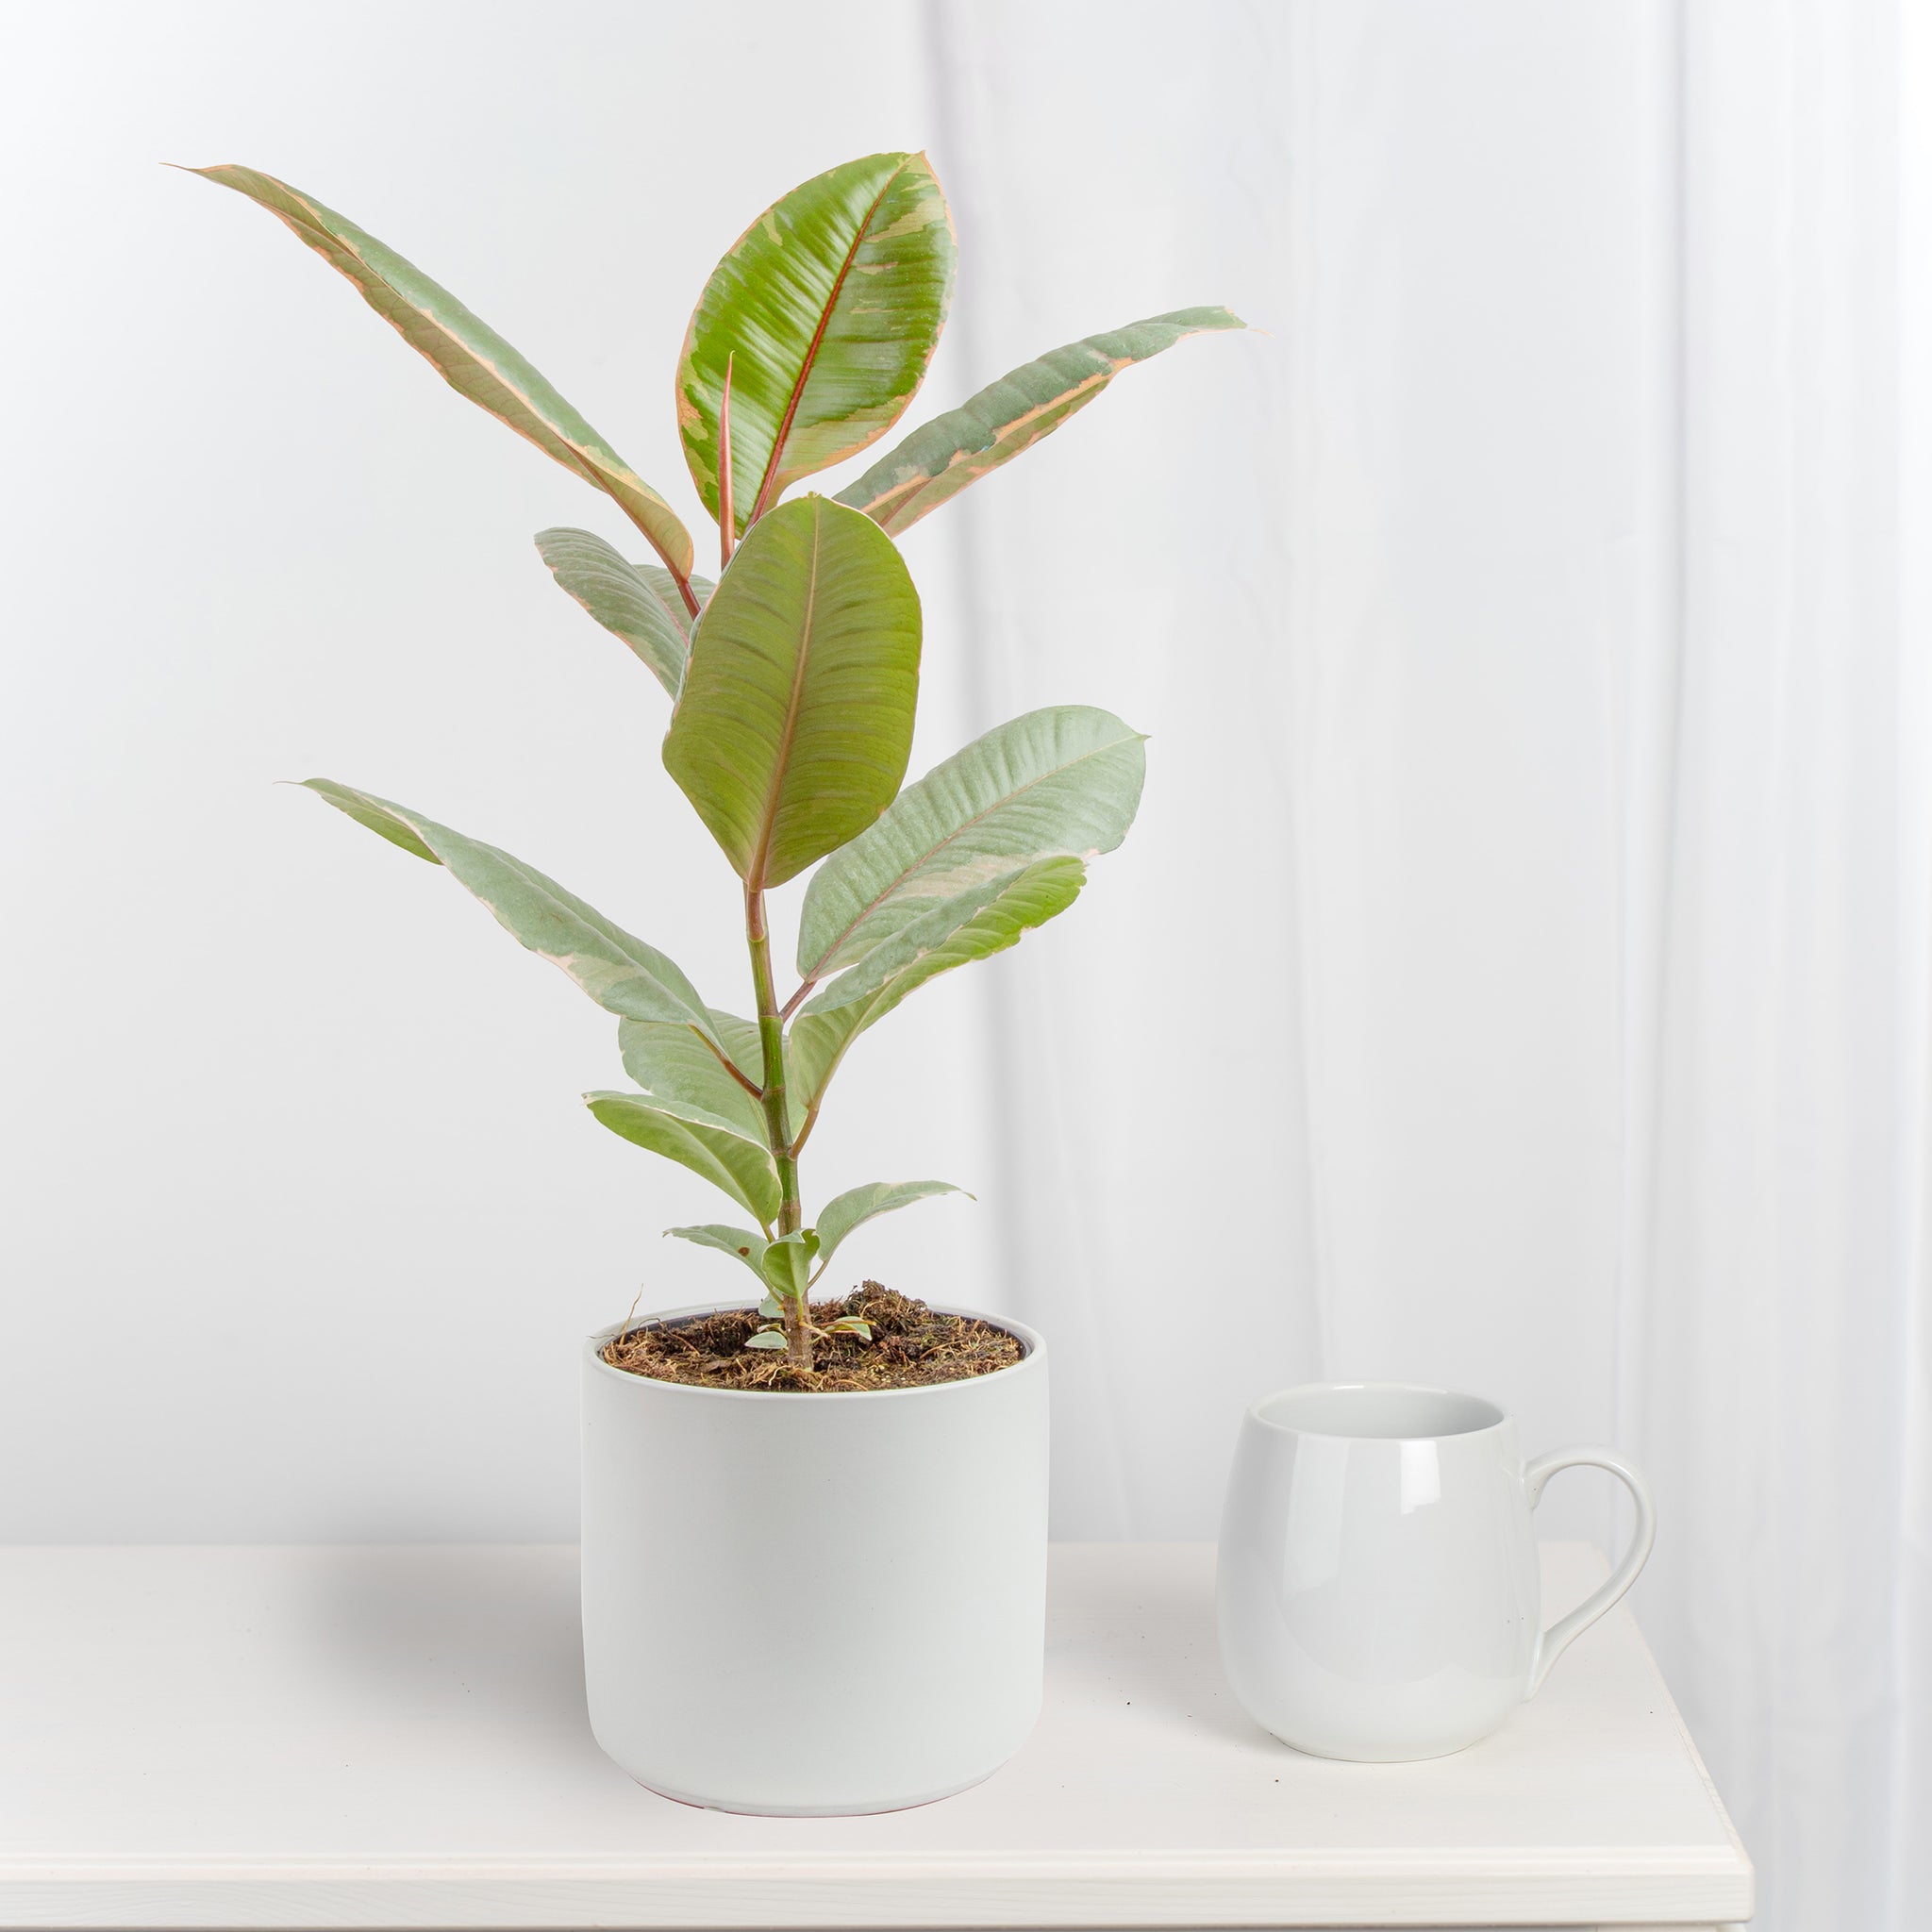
x=1565 y=1630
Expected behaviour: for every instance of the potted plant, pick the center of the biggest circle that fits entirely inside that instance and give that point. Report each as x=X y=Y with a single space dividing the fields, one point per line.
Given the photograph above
x=814 y=1531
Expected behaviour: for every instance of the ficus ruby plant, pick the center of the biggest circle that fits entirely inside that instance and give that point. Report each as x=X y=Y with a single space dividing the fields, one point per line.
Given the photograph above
x=792 y=679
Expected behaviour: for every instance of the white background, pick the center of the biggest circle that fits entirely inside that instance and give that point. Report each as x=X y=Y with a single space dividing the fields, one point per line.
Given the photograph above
x=1517 y=976
x=310 y=1217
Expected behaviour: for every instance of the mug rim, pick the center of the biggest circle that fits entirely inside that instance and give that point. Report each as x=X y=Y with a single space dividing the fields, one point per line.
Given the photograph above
x=1498 y=1417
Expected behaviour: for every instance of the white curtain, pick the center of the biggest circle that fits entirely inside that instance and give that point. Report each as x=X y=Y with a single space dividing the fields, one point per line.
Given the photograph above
x=1779 y=1373
x=1522 y=976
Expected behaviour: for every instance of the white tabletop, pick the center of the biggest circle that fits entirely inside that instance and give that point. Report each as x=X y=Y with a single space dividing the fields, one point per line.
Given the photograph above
x=395 y=1737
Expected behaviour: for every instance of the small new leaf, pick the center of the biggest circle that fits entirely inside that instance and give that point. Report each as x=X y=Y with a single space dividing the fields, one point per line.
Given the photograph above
x=787 y=1261
x=766 y=1338
x=852 y=1325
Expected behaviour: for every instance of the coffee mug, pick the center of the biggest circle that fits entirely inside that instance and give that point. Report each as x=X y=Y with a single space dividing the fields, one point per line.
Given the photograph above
x=1378 y=1595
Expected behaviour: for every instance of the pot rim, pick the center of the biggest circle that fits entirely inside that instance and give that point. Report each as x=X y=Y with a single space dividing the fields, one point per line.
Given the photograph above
x=1029 y=1339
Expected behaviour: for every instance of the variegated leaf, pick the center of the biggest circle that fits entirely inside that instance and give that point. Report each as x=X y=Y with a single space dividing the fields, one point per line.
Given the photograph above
x=817 y=1041
x=941 y=457
x=825 y=310
x=622 y=973
x=795 y=720
x=1065 y=781
x=635 y=602
x=467 y=353
x=678 y=1064
x=970 y=925
x=709 y=1147
x=740 y=1038
x=857 y=1205
x=741 y=1243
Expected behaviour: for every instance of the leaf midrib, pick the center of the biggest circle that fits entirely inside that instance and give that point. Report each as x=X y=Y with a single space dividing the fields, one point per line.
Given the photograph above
x=773 y=462
x=755 y=873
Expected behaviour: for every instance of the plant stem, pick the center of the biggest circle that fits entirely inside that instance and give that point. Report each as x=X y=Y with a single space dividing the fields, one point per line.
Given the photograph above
x=777 y=1134
x=681 y=579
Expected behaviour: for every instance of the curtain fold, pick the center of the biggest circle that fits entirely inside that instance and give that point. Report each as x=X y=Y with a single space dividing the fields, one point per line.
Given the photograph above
x=1153 y=1100
x=1519 y=978
x=1783 y=1298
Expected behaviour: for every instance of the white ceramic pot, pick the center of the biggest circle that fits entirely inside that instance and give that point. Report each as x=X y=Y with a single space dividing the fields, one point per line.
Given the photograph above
x=804 y=1605
x=1378 y=1593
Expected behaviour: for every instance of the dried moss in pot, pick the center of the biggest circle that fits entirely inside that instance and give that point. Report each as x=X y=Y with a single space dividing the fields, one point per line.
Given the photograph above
x=910 y=1346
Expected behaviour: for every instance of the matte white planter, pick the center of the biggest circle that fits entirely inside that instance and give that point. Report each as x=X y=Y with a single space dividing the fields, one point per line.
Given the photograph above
x=804 y=1605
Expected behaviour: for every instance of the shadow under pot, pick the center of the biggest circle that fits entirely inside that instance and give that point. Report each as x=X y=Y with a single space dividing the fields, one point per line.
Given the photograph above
x=809 y=1604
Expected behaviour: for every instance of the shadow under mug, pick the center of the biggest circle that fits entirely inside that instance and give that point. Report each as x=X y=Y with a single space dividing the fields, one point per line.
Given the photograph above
x=1378 y=1594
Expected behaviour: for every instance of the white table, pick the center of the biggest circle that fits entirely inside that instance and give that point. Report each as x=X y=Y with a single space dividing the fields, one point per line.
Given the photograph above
x=395 y=1737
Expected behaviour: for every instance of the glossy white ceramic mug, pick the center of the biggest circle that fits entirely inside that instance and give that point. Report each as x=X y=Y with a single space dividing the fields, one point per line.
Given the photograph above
x=1378 y=1594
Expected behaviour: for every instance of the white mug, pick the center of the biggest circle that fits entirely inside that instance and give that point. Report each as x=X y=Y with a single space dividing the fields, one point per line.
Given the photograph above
x=1378 y=1595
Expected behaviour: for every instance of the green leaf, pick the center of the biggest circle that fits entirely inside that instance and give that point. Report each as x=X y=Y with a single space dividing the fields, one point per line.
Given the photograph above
x=385 y=820
x=769 y=1307
x=852 y=1325
x=787 y=1260
x=743 y=1040
x=971 y=925
x=766 y=1338
x=635 y=602
x=712 y=1148
x=675 y=1063
x=828 y=308
x=818 y=1039
x=941 y=457
x=469 y=355
x=814 y=1045
x=1065 y=781
x=795 y=720
x=854 y=1209
x=741 y=1243
x=622 y=974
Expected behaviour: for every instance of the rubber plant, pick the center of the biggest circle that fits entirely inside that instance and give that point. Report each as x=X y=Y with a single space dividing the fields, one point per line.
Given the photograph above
x=792 y=679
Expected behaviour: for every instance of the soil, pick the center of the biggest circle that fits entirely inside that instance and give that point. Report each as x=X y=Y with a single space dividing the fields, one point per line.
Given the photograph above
x=913 y=1346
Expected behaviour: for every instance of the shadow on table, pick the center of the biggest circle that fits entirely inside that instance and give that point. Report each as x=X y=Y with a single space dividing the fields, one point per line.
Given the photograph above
x=453 y=1633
